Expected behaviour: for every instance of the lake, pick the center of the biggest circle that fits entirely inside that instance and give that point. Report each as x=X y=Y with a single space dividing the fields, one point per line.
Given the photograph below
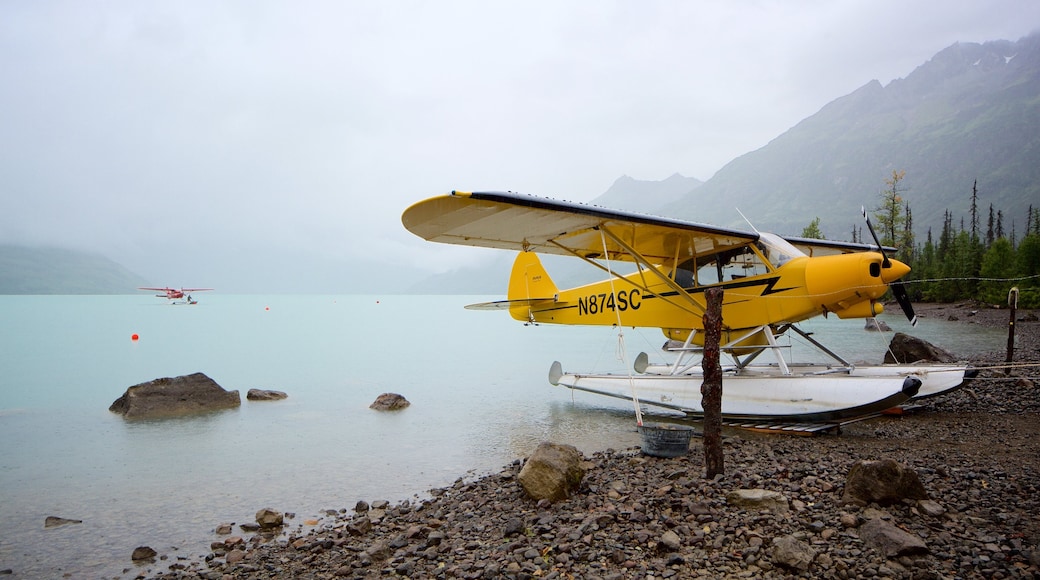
x=476 y=380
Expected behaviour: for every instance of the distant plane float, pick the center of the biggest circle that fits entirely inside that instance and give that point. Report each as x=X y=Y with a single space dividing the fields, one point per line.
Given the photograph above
x=177 y=294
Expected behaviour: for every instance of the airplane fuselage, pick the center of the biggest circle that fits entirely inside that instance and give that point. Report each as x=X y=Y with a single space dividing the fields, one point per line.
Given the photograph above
x=847 y=285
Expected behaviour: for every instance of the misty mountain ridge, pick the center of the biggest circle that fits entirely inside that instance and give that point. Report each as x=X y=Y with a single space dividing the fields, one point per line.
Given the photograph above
x=637 y=195
x=971 y=112
x=26 y=270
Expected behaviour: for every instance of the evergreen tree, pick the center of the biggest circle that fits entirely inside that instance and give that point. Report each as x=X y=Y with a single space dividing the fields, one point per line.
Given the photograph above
x=1027 y=265
x=925 y=268
x=975 y=210
x=889 y=215
x=998 y=262
x=1027 y=260
x=812 y=231
x=990 y=236
x=946 y=237
x=906 y=241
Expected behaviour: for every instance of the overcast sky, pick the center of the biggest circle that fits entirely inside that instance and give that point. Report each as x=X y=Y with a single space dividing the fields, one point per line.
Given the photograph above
x=149 y=131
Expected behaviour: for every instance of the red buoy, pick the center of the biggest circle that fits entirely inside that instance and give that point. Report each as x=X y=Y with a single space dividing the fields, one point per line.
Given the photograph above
x=134 y=336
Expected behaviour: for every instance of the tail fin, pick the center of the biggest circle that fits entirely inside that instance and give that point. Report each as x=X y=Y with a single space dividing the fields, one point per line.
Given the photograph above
x=529 y=280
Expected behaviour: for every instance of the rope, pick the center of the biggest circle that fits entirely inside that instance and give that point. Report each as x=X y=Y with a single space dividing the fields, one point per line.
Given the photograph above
x=620 y=350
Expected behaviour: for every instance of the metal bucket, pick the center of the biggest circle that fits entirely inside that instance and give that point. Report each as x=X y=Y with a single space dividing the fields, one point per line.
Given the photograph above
x=665 y=440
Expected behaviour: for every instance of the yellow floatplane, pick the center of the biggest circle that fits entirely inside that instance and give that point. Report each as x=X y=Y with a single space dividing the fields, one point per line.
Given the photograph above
x=770 y=284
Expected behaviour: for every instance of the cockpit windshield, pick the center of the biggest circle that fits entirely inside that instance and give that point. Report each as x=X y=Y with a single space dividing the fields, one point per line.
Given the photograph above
x=777 y=250
x=771 y=251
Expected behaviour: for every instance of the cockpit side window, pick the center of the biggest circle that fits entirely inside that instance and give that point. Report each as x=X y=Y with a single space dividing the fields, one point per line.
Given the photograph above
x=777 y=250
x=770 y=252
x=747 y=263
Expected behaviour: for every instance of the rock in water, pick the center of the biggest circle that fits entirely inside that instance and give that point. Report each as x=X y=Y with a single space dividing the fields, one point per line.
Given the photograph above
x=875 y=325
x=143 y=553
x=389 y=402
x=552 y=472
x=269 y=518
x=171 y=397
x=265 y=395
x=909 y=349
x=55 y=521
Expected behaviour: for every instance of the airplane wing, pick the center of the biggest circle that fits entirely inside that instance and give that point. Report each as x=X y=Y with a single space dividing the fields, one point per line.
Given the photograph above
x=507 y=304
x=815 y=247
x=514 y=221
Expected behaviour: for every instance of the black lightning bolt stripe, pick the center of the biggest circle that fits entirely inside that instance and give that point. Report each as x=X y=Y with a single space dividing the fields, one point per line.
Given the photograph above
x=769 y=287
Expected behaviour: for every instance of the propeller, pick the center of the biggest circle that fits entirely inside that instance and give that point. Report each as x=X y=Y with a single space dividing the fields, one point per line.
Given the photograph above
x=898 y=286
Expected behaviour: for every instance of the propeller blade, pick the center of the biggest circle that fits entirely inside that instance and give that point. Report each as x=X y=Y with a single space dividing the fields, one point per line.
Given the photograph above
x=877 y=240
x=899 y=290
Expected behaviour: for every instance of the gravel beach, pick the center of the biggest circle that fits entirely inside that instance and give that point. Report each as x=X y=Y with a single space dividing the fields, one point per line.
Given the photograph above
x=976 y=452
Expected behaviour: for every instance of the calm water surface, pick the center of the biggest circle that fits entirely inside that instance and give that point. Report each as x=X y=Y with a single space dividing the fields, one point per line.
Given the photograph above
x=476 y=380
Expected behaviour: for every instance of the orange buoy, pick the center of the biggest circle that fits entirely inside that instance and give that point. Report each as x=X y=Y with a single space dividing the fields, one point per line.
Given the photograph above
x=134 y=336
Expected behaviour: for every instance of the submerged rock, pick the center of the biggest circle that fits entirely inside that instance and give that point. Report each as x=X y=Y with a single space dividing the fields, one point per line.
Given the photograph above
x=55 y=521
x=389 y=402
x=171 y=397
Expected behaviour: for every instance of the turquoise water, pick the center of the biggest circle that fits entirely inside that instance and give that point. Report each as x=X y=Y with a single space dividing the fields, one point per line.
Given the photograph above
x=476 y=381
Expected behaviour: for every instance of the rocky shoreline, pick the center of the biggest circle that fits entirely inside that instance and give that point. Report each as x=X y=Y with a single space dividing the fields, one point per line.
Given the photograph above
x=635 y=516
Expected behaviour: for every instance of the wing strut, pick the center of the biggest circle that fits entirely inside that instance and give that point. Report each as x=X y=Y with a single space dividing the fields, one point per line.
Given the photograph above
x=698 y=308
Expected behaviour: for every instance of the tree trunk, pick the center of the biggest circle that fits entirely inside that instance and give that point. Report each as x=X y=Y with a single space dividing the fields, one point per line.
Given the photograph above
x=711 y=388
x=1013 y=304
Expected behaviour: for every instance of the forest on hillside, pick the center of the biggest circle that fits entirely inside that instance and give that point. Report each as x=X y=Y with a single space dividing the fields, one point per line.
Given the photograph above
x=979 y=256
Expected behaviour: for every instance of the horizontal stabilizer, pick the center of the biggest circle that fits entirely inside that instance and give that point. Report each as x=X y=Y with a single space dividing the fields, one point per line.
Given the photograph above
x=507 y=304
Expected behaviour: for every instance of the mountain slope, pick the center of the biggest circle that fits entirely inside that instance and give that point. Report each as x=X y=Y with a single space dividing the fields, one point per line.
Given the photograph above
x=56 y=271
x=646 y=196
x=971 y=112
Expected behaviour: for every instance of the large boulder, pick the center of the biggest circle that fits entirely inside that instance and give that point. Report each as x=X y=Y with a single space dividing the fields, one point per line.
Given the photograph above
x=792 y=553
x=909 y=349
x=891 y=540
x=553 y=472
x=172 y=397
x=883 y=482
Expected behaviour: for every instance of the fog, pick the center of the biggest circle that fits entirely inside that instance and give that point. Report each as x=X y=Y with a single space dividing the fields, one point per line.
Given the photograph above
x=272 y=146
